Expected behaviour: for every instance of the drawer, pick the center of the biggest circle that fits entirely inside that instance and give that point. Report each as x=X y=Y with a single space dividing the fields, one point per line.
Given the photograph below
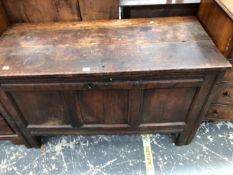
x=4 y=128
x=224 y=94
x=228 y=77
x=220 y=112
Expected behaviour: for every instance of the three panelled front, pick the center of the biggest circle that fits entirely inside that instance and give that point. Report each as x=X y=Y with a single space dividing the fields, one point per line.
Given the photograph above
x=162 y=105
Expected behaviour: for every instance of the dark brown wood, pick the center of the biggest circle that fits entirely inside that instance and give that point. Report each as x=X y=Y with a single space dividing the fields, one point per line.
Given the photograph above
x=111 y=129
x=42 y=10
x=4 y=128
x=228 y=77
x=6 y=133
x=149 y=84
x=108 y=77
x=99 y=9
x=15 y=135
x=135 y=107
x=57 y=114
x=161 y=105
x=215 y=19
x=103 y=107
x=58 y=49
x=73 y=111
x=224 y=95
x=231 y=54
x=4 y=22
x=208 y=92
x=106 y=111
x=220 y=112
x=18 y=123
x=60 y=10
x=222 y=106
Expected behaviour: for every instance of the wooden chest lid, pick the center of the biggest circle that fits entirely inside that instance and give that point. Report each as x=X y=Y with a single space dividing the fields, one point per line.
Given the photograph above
x=108 y=47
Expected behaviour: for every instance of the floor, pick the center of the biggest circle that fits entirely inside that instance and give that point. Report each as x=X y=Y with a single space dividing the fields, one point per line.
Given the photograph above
x=211 y=153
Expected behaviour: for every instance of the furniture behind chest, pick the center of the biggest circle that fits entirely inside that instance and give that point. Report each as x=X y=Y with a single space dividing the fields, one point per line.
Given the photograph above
x=217 y=18
x=103 y=77
x=157 y=8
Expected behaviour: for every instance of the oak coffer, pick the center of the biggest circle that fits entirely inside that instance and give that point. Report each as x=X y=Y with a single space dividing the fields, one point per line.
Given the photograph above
x=108 y=77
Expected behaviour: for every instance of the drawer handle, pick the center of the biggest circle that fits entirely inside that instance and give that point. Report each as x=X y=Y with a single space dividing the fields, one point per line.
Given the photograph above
x=226 y=94
x=215 y=113
x=90 y=85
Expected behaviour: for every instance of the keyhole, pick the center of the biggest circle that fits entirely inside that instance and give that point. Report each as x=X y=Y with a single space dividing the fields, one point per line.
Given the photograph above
x=215 y=112
x=226 y=94
x=90 y=85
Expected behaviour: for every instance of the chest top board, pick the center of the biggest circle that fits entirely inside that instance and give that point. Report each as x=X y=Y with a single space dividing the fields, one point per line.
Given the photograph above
x=127 y=46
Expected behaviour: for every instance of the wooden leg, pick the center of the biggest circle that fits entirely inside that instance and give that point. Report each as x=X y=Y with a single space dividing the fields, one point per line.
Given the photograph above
x=33 y=142
x=186 y=138
x=181 y=140
x=8 y=109
x=193 y=121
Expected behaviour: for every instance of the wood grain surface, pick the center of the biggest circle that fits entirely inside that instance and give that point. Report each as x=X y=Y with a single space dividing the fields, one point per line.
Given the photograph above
x=148 y=45
x=99 y=9
x=42 y=10
x=60 y=10
x=4 y=22
x=218 y=25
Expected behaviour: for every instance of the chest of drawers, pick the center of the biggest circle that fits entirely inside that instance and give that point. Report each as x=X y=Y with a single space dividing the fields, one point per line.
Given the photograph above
x=216 y=17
